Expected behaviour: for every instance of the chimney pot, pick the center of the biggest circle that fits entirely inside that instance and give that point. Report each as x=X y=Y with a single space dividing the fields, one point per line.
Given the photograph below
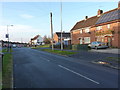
x=100 y=12
x=86 y=17
x=119 y=4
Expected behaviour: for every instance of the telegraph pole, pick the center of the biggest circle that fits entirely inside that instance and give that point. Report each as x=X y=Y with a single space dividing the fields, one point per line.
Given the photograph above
x=51 y=30
x=61 y=28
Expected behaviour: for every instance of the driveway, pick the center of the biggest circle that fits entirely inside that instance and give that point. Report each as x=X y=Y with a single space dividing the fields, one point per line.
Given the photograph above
x=108 y=50
x=38 y=69
x=92 y=55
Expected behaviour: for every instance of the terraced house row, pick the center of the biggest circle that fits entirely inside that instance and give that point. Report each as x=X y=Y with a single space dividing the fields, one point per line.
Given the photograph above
x=103 y=27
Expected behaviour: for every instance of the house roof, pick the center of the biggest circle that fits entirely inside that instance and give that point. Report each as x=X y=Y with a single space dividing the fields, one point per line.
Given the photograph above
x=64 y=34
x=78 y=25
x=35 y=37
x=85 y=23
x=109 y=16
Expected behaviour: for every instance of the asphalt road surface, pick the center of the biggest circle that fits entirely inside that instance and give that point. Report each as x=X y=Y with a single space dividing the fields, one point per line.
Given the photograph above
x=38 y=69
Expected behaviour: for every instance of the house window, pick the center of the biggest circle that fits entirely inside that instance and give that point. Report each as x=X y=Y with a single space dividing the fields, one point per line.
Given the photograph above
x=99 y=28
x=86 y=39
x=80 y=31
x=108 y=26
x=87 y=30
x=37 y=40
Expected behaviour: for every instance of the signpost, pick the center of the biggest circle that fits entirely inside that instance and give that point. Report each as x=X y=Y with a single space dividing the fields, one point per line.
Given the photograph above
x=7 y=36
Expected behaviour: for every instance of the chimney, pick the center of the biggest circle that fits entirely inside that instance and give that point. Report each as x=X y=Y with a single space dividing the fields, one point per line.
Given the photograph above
x=99 y=12
x=118 y=4
x=86 y=17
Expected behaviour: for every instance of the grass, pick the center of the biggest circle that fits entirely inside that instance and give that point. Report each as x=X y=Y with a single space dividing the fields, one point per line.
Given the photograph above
x=7 y=69
x=41 y=46
x=59 y=52
x=114 y=59
x=0 y=80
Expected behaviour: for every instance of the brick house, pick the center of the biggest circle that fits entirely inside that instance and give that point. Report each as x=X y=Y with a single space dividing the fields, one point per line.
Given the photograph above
x=65 y=37
x=102 y=27
x=108 y=27
x=82 y=32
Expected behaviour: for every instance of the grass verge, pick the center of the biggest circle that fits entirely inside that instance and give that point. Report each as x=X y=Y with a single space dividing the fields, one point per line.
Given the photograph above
x=59 y=52
x=7 y=70
x=114 y=59
x=41 y=46
x=0 y=80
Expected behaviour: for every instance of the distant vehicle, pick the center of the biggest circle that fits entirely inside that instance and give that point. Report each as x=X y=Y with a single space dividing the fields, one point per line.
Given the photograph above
x=14 y=46
x=19 y=46
x=97 y=45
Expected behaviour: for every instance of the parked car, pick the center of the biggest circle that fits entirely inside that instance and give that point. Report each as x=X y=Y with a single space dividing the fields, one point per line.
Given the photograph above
x=97 y=45
x=14 y=46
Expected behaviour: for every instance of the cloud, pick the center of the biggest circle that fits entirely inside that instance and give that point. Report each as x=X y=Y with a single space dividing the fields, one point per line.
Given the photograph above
x=19 y=31
x=26 y=16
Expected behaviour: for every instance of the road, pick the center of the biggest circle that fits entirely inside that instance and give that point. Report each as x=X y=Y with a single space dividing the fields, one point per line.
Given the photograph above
x=38 y=69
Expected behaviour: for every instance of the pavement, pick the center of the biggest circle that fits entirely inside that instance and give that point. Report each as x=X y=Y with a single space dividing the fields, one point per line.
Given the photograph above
x=38 y=69
x=108 y=50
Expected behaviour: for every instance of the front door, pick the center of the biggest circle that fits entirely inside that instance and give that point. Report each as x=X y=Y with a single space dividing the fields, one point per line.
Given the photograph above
x=109 y=41
x=81 y=41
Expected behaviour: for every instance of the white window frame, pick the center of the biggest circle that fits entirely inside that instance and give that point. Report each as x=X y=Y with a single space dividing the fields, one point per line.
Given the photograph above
x=86 y=40
x=81 y=40
x=81 y=31
x=87 y=30
x=108 y=26
x=99 y=28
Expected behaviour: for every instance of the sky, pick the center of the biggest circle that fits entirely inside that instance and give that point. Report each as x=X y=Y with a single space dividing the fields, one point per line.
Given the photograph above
x=32 y=18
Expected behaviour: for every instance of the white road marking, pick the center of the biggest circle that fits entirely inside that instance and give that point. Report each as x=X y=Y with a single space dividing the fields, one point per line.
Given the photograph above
x=78 y=74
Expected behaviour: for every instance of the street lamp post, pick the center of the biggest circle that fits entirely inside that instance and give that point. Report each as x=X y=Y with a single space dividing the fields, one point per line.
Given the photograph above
x=61 y=29
x=7 y=36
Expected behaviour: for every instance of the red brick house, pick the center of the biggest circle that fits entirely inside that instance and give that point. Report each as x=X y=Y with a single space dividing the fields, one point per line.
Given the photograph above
x=65 y=37
x=108 y=27
x=82 y=32
x=103 y=27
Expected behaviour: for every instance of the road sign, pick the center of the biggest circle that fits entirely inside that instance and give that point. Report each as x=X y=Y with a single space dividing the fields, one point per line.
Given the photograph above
x=7 y=36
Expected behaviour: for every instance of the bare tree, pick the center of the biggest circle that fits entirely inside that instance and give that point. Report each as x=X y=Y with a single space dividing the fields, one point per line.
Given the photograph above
x=46 y=40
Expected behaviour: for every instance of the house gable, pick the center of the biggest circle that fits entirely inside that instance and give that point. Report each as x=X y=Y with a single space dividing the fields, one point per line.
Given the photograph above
x=89 y=22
